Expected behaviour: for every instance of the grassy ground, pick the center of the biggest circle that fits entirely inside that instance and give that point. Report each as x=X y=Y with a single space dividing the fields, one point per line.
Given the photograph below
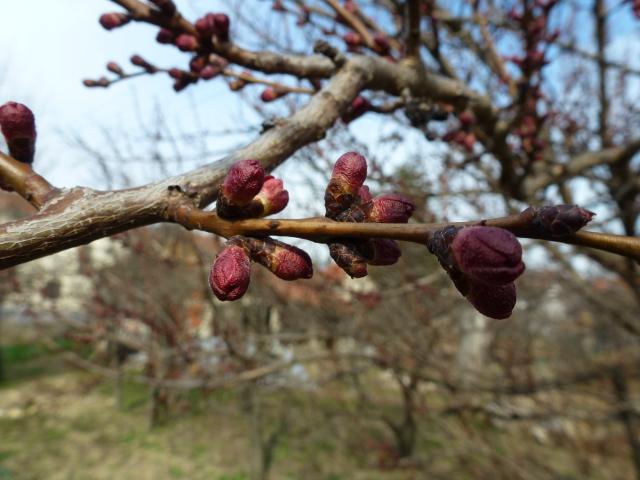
x=59 y=423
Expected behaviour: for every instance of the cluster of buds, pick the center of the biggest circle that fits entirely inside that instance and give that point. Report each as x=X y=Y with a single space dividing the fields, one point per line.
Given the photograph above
x=463 y=136
x=18 y=127
x=247 y=192
x=347 y=199
x=533 y=23
x=204 y=65
x=483 y=262
x=214 y=24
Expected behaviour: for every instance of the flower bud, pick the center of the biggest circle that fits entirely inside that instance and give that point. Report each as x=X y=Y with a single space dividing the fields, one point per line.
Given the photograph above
x=187 y=43
x=494 y=301
x=165 y=6
x=359 y=106
x=364 y=195
x=243 y=181
x=347 y=177
x=209 y=72
x=349 y=259
x=273 y=197
x=165 y=36
x=390 y=208
x=138 y=61
x=270 y=94
x=221 y=26
x=382 y=45
x=352 y=39
x=18 y=126
x=381 y=251
x=113 y=67
x=488 y=254
x=112 y=20
x=230 y=273
x=557 y=220
x=283 y=260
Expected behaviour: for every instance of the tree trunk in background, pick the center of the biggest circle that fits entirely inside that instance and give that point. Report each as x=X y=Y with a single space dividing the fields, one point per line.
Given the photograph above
x=626 y=415
x=258 y=467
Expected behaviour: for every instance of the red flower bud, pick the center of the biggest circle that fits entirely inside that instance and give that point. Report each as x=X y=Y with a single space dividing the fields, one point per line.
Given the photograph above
x=347 y=177
x=221 y=26
x=273 y=196
x=109 y=21
x=382 y=43
x=18 y=126
x=488 y=254
x=115 y=68
x=494 y=301
x=466 y=118
x=352 y=39
x=269 y=95
x=557 y=220
x=359 y=106
x=209 y=72
x=165 y=36
x=230 y=273
x=243 y=182
x=390 y=208
x=283 y=260
x=187 y=43
x=197 y=63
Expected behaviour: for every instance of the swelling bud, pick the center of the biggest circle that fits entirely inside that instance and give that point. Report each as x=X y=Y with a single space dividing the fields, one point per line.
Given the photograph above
x=283 y=260
x=488 y=255
x=230 y=273
x=390 y=208
x=347 y=178
x=18 y=126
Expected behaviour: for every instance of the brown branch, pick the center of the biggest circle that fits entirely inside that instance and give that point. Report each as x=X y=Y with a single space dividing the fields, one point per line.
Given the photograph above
x=353 y=21
x=413 y=28
x=27 y=183
x=81 y=215
x=322 y=229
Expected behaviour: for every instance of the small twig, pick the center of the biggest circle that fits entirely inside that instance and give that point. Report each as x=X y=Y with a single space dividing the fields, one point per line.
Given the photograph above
x=28 y=184
x=413 y=28
x=321 y=230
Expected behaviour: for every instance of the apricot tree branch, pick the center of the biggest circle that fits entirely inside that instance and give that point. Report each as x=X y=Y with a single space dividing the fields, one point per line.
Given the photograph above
x=322 y=230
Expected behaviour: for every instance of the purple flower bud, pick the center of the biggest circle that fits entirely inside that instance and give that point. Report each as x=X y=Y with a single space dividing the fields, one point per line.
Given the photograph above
x=347 y=177
x=230 y=273
x=494 y=301
x=390 y=208
x=283 y=260
x=352 y=39
x=349 y=259
x=383 y=251
x=557 y=220
x=359 y=106
x=187 y=43
x=488 y=254
x=112 y=20
x=221 y=26
x=165 y=36
x=18 y=126
x=273 y=196
x=243 y=181
x=382 y=43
